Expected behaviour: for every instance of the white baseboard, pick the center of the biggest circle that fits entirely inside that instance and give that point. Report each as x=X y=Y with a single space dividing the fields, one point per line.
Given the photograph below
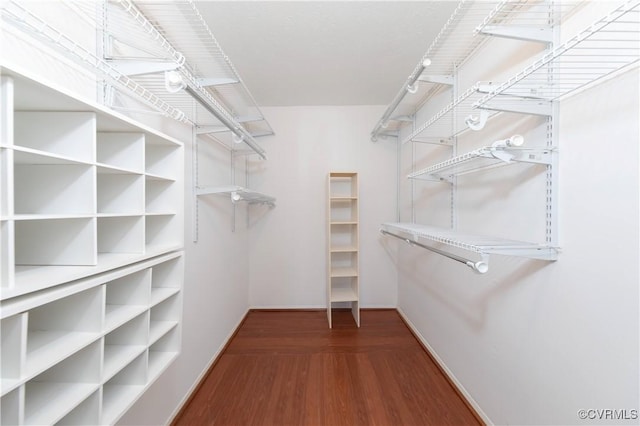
x=204 y=372
x=445 y=369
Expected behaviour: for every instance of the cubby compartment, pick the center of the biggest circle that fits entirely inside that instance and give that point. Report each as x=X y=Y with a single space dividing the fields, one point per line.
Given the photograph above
x=6 y=110
x=121 y=150
x=68 y=241
x=60 y=328
x=344 y=210
x=126 y=298
x=11 y=407
x=162 y=352
x=343 y=185
x=344 y=264
x=121 y=234
x=166 y=279
x=6 y=185
x=87 y=413
x=56 y=392
x=344 y=237
x=124 y=344
x=122 y=389
x=7 y=259
x=162 y=231
x=344 y=289
x=164 y=317
x=67 y=134
x=161 y=160
x=52 y=189
x=120 y=193
x=12 y=351
x=160 y=195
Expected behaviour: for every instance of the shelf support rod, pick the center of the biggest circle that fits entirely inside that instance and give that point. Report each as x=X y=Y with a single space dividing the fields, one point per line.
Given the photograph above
x=480 y=266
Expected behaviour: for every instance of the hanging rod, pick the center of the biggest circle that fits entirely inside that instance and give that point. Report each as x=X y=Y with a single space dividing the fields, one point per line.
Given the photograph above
x=234 y=127
x=411 y=80
x=480 y=266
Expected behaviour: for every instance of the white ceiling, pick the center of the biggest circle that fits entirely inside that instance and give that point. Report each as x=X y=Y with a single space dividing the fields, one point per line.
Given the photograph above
x=325 y=52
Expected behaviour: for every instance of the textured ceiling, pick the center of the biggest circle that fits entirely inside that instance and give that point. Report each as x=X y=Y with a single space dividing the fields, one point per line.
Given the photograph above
x=325 y=52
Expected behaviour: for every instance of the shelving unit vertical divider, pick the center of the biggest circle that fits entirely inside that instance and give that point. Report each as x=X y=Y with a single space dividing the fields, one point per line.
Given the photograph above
x=343 y=285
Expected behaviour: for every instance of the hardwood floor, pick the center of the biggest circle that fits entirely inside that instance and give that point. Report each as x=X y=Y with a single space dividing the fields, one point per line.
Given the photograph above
x=288 y=368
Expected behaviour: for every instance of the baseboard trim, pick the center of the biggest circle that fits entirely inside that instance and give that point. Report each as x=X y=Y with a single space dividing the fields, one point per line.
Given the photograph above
x=473 y=406
x=197 y=384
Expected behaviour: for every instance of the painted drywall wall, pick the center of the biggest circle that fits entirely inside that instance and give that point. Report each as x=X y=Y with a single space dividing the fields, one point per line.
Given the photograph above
x=533 y=342
x=288 y=244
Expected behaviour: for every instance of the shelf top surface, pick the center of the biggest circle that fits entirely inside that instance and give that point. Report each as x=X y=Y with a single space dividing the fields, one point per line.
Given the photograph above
x=34 y=94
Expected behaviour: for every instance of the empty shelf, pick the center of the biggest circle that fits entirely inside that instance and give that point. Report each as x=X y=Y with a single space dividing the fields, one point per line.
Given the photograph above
x=482 y=158
x=238 y=193
x=608 y=45
x=480 y=244
x=343 y=294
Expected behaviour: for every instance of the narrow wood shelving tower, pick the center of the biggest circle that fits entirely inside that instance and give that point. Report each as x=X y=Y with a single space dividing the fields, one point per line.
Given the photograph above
x=342 y=243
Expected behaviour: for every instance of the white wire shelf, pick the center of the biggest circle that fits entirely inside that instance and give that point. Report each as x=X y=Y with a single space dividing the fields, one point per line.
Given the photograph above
x=183 y=25
x=526 y=19
x=455 y=41
x=459 y=38
x=15 y=13
x=480 y=244
x=150 y=33
x=238 y=193
x=449 y=121
x=607 y=46
x=482 y=159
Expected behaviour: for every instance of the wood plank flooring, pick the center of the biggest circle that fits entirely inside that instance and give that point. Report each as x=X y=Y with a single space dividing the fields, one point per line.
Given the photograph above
x=288 y=368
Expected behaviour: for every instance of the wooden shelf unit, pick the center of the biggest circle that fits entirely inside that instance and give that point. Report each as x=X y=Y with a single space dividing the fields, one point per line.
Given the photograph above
x=343 y=285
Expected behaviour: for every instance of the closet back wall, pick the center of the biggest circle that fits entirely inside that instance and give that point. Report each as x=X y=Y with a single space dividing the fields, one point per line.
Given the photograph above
x=287 y=245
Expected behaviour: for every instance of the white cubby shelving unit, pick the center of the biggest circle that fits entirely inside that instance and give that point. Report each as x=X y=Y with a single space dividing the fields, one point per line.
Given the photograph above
x=343 y=282
x=562 y=69
x=91 y=214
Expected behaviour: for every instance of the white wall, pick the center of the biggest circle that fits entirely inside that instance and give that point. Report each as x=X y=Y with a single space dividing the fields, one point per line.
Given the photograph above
x=533 y=342
x=287 y=244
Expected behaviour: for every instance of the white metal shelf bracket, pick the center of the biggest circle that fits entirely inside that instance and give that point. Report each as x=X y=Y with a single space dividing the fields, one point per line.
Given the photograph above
x=541 y=34
x=521 y=106
x=216 y=81
x=132 y=67
x=209 y=129
x=447 y=80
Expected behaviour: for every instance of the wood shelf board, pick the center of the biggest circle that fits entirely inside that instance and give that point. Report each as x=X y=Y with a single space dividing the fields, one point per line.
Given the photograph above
x=343 y=294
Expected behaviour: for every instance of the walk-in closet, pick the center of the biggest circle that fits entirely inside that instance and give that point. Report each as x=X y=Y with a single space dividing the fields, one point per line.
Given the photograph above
x=319 y=212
